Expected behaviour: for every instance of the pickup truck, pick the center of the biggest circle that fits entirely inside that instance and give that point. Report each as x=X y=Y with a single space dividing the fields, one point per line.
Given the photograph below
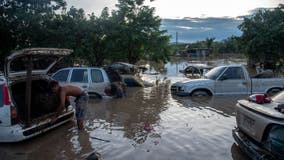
x=231 y=79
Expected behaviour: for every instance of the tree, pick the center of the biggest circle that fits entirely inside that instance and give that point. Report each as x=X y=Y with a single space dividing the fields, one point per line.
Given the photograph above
x=23 y=22
x=209 y=42
x=263 y=37
x=138 y=33
x=128 y=34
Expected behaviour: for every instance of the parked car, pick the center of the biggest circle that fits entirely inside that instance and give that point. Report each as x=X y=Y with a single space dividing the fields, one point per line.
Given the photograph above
x=27 y=104
x=94 y=80
x=260 y=127
x=231 y=79
x=132 y=81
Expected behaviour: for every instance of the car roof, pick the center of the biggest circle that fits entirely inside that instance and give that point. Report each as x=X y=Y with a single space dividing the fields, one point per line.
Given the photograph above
x=231 y=65
x=83 y=68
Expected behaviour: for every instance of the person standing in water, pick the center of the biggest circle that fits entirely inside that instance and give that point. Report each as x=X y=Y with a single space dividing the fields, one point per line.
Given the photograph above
x=81 y=101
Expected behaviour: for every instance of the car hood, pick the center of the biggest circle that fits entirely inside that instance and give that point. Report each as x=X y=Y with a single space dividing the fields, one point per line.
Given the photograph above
x=43 y=59
x=267 y=109
x=192 y=82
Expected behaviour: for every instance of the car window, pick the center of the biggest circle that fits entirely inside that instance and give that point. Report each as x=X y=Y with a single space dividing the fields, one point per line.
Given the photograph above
x=192 y=69
x=61 y=76
x=79 y=75
x=214 y=73
x=233 y=73
x=96 y=76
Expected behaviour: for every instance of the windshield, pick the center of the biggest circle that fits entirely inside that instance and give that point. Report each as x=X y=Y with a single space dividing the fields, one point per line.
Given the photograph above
x=214 y=73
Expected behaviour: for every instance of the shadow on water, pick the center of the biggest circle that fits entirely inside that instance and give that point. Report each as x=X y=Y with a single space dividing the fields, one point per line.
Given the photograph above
x=224 y=105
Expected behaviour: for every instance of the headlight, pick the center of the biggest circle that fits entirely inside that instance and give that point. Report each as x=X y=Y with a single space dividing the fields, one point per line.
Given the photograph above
x=275 y=140
x=180 y=89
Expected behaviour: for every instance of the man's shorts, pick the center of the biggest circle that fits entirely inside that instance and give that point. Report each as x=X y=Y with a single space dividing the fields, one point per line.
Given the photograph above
x=81 y=105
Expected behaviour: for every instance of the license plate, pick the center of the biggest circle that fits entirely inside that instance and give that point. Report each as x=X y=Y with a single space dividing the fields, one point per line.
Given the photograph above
x=247 y=122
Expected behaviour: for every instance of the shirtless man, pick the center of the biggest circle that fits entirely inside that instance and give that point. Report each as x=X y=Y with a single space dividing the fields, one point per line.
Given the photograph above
x=81 y=100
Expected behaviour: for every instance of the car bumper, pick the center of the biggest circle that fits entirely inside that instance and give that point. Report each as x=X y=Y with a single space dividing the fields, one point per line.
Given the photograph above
x=17 y=133
x=177 y=91
x=251 y=148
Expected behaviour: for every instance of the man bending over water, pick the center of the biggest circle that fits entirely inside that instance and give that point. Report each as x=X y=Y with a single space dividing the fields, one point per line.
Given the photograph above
x=81 y=101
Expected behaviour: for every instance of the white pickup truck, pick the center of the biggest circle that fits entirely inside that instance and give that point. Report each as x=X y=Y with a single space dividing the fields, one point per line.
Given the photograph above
x=231 y=79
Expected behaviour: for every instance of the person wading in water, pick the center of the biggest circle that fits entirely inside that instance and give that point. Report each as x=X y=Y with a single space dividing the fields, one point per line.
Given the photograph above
x=81 y=101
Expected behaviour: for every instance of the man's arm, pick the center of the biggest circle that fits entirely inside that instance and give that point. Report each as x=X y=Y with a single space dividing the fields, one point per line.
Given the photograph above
x=62 y=101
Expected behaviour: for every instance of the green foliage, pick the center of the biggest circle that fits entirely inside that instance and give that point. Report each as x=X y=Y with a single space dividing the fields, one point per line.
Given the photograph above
x=139 y=35
x=23 y=23
x=263 y=36
x=129 y=33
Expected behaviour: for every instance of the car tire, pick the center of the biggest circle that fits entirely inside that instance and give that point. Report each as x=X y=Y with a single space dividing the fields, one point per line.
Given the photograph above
x=95 y=96
x=200 y=93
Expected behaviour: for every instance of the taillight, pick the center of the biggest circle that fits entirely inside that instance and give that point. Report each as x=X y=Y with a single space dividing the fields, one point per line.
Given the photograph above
x=108 y=91
x=259 y=98
x=14 y=115
x=6 y=98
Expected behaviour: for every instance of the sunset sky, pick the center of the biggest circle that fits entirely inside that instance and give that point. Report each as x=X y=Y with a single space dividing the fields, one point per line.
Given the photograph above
x=185 y=8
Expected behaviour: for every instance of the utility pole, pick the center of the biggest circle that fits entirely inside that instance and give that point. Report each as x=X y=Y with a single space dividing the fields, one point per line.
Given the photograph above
x=176 y=38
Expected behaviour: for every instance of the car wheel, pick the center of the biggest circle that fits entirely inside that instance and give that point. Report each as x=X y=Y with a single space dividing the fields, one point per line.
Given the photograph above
x=200 y=93
x=95 y=96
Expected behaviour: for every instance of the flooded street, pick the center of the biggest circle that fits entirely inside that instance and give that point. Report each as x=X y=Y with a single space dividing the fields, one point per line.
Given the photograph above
x=149 y=123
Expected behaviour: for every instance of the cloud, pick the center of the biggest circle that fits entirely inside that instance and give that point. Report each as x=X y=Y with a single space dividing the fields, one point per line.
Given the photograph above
x=200 y=29
x=184 y=8
x=195 y=28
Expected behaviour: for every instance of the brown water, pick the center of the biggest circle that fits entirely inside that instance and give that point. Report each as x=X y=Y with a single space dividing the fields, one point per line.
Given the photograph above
x=149 y=123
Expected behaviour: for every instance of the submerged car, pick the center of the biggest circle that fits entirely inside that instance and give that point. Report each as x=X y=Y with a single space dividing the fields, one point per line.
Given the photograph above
x=196 y=69
x=93 y=79
x=229 y=79
x=124 y=68
x=27 y=104
x=260 y=127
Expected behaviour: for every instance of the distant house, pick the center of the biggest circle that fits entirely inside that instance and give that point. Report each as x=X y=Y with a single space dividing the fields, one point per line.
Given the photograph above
x=194 y=52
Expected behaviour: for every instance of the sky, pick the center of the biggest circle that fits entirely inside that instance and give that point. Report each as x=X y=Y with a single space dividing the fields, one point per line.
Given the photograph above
x=185 y=8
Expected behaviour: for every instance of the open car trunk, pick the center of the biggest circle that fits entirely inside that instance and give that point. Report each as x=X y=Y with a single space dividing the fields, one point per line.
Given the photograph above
x=43 y=101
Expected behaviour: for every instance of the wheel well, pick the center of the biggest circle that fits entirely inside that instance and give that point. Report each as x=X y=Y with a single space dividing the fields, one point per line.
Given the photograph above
x=274 y=88
x=202 y=89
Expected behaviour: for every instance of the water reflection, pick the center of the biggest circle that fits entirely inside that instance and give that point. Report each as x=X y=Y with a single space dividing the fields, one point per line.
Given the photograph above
x=237 y=154
x=132 y=115
x=62 y=143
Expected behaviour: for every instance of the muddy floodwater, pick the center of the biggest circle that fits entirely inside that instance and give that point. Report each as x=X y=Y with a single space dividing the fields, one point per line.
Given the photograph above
x=149 y=123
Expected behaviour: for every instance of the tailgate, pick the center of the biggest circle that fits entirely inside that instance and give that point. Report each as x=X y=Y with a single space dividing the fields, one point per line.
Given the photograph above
x=253 y=122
